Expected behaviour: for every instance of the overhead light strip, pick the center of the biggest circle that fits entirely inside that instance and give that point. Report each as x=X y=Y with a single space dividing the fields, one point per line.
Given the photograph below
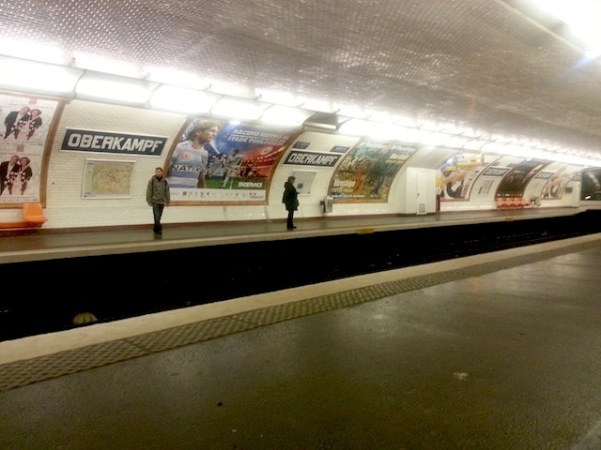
x=45 y=78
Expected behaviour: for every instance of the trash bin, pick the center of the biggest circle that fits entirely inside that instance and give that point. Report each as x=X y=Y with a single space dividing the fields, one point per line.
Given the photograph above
x=326 y=204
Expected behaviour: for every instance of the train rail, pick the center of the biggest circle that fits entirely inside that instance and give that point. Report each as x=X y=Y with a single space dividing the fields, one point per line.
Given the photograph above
x=112 y=287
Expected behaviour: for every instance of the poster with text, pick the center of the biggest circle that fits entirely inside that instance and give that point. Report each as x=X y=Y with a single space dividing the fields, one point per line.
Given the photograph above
x=591 y=185
x=517 y=178
x=556 y=182
x=24 y=129
x=366 y=172
x=220 y=162
x=459 y=173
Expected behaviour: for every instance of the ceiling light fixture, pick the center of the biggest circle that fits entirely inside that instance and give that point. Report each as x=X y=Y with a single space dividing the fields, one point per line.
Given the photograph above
x=36 y=77
x=178 y=99
x=285 y=115
x=114 y=89
x=240 y=109
x=323 y=121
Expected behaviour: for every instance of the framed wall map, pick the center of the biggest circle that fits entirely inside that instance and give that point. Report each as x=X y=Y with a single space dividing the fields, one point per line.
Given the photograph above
x=107 y=179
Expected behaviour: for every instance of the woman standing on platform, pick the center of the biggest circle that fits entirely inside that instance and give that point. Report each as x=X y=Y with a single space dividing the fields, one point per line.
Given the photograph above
x=290 y=199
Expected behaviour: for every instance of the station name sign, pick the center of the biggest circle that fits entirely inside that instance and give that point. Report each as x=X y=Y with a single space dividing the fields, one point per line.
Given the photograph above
x=311 y=159
x=106 y=142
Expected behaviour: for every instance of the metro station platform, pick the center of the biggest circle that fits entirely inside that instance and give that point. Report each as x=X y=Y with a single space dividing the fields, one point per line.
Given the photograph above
x=494 y=351
x=42 y=244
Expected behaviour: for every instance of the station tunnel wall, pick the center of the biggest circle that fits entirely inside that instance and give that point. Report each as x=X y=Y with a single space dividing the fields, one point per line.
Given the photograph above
x=89 y=165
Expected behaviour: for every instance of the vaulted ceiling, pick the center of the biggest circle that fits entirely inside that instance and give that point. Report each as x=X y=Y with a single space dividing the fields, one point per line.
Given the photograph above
x=486 y=64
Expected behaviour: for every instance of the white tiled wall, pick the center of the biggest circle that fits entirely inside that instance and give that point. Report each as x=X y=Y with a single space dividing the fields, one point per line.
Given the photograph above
x=65 y=207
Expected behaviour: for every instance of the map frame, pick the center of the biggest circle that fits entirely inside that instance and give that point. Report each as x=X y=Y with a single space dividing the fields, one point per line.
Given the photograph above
x=120 y=187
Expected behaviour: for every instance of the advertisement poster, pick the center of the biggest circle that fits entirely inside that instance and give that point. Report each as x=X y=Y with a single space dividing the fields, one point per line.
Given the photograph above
x=557 y=181
x=517 y=178
x=591 y=185
x=459 y=173
x=366 y=172
x=220 y=162
x=24 y=129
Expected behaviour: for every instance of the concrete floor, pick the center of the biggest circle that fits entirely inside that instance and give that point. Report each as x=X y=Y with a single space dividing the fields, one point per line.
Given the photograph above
x=508 y=359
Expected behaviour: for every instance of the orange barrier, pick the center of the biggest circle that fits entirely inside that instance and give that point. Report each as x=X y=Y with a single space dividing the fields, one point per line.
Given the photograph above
x=512 y=203
x=33 y=213
x=33 y=217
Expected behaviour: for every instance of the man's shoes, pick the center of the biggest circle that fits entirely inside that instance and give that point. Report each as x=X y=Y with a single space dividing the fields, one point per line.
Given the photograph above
x=292 y=227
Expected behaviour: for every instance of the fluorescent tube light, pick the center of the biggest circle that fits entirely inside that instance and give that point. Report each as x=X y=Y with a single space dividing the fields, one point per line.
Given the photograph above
x=352 y=111
x=180 y=78
x=177 y=99
x=113 y=89
x=103 y=64
x=232 y=89
x=239 y=109
x=455 y=141
x=22 y=48
x=435 y=139
x=32 y=76
x=325 y=121
x=278 y=97
x=317 y=105
x=285 y=115
x=376 y=130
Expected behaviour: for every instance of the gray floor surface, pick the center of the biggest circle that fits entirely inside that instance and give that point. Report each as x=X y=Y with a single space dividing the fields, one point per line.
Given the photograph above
x=501 y=359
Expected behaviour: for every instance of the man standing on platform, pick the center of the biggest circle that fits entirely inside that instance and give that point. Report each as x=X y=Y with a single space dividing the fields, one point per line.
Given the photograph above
x=158 y=196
